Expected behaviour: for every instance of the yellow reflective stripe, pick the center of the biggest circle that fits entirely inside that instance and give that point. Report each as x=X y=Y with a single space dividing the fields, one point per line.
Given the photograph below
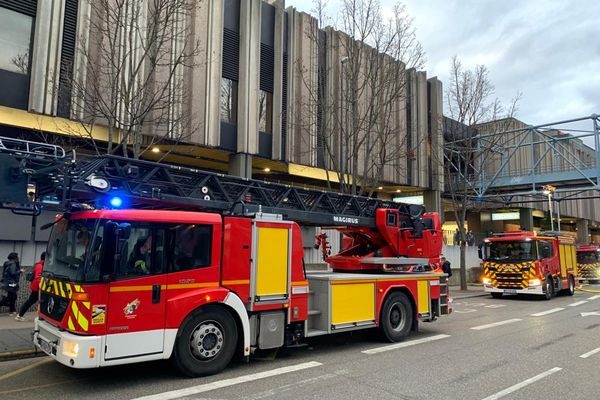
x=81 y=320
x=78 y=288
x=192 y=285
x=69 y=290
x=86 y=304
x=130 y=288
x=238 y=282
x=71 y=325
x=55 y=285
x=62 y=292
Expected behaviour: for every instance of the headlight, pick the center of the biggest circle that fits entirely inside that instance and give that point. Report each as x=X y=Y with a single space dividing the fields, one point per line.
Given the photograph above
x=535 y=282
x=70 y=349
x=487 y=281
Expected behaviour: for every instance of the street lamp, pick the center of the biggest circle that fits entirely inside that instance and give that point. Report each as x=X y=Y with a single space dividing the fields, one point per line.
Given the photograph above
x=548 y=190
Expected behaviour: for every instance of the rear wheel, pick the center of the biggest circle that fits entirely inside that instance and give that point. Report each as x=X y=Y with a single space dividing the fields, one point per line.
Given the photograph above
x=571 y=289
x=396 y=317
x=205 y=342
x=548 y=288
x=496 y=295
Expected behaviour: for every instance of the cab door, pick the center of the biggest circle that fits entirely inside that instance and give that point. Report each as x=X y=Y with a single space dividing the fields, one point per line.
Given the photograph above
x=137 y=295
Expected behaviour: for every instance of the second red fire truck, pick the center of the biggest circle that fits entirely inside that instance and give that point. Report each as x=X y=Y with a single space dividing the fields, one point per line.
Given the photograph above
x=151 y=261
x=588 y=262
x=525 y=262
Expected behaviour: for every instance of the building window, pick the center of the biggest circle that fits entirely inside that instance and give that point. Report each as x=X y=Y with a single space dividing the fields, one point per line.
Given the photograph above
x=228 y=101
x=265 y=112
x=15 y=41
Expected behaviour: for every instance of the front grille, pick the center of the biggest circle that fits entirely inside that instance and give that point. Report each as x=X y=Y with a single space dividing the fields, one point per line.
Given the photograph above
x=510 y=280
x=58 y=310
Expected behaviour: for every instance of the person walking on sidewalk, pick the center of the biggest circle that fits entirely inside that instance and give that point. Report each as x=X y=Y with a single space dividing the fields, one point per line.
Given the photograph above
x=34 y=286
x=10 y=279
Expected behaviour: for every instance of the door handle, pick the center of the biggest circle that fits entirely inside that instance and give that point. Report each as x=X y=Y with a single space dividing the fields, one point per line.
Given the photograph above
x=155 y=294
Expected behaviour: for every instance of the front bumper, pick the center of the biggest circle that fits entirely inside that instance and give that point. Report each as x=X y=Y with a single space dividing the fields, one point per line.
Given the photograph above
x=528 y=290
x=71 y=350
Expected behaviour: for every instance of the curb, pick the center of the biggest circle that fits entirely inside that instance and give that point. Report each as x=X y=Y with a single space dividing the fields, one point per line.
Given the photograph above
x=20 y=354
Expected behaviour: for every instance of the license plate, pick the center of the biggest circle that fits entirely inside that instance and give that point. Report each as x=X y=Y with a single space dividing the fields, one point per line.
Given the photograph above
x=510 y=291
x=45 y=346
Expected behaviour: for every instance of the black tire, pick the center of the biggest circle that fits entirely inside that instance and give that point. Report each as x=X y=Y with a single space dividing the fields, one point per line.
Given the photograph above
x=206 y=342
x=396 y=318
x=570 y=291
x=548 y=288
x=497 y=295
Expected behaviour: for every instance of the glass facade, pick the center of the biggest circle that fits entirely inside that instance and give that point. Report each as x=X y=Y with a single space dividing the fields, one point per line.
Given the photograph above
x=228 y=101
x=15 y=41
x=265 y=112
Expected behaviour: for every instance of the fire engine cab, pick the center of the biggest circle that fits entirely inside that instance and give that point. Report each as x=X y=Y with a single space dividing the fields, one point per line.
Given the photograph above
x=150 y=261
x=525 y=262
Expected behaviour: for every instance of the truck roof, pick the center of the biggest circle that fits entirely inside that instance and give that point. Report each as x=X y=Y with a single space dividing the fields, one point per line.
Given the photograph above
x=151 y=216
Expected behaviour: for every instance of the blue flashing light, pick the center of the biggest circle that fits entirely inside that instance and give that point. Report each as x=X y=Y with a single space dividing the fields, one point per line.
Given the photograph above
x=116 y=202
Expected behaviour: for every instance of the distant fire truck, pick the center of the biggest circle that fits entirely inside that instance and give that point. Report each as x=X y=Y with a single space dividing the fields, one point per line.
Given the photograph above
x=588 y=262
x=524 y=262
x=152 y=261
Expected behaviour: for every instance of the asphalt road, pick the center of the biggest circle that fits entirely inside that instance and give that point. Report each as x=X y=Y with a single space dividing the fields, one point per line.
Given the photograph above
x=511 y=348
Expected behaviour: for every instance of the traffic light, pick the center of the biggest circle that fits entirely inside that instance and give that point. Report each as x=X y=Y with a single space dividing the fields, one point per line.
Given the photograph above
x=13 y=182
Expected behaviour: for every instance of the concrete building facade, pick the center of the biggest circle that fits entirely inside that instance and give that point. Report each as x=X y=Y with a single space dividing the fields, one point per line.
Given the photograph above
x=257 y=66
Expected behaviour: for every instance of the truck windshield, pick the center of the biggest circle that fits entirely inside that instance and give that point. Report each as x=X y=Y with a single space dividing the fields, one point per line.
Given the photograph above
x=587 y=257
x=74 y=251
x=503 y=251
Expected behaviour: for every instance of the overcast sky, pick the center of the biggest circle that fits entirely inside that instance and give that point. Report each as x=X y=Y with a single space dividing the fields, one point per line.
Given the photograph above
x=547 y=49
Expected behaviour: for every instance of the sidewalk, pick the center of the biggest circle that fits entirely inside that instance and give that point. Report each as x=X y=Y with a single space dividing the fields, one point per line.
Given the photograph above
x=472 y=291
x=15 y=337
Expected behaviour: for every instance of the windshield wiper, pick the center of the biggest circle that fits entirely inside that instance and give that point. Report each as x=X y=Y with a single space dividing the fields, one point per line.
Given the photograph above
x=52 y=275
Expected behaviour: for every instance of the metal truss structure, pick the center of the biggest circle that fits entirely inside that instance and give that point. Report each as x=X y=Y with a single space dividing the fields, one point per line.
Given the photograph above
x=558 y=154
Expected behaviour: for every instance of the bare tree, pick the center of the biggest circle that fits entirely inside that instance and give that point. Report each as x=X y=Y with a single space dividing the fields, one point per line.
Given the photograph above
x=131 y=73
x=469 y=102
x=358 y=101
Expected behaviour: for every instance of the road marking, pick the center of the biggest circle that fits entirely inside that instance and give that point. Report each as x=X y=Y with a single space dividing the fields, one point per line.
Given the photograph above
x=590 y=353
x=578 y=303
x=508 y=321
x=521 y=385
x=547 y=312
x=404 y=344
x=465 y=311
x=26 y=368
x=175 y=394
x=587 y=314
x=594 y=297
x=496 y=306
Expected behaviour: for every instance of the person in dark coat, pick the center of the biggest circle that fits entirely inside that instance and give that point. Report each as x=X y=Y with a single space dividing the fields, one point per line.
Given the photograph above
x=446 y=266
x=10 y=280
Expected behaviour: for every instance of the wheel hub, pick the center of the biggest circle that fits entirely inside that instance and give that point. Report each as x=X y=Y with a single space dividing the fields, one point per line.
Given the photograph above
x=395 y=317
x=207 y=340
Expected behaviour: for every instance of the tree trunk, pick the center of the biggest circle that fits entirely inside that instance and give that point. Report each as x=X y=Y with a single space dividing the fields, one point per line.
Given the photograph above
x=463 y=265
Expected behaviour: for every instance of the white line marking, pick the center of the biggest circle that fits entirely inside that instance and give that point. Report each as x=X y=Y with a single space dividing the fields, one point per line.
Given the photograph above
x=404 y=344
x=578 y=303
x=547 y=312
x=594 y=297
x=523 y=384
x=176 y=394
x=590 y=353
x=465 y=311
x=508 y=321
x=496 y=306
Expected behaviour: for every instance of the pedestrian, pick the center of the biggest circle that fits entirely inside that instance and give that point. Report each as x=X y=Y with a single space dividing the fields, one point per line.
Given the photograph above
x=10 y=280
x=446 y=266
x=456 y=238
x=470 y=238
x=34 y=286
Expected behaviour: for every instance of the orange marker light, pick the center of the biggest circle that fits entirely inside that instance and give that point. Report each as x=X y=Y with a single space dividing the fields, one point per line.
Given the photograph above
x=92 y=352
x=81 y=297
x=207 y=298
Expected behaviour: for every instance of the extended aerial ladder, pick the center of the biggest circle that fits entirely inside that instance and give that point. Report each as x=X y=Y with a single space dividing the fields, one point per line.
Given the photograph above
x=380 y=234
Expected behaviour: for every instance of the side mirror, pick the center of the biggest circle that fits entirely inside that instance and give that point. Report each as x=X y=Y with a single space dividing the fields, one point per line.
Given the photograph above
x=480 y=252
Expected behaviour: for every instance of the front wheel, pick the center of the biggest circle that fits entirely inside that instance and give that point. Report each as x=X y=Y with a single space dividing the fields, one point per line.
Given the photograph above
x=205 y=342
x=548 y=288
x=396 y=317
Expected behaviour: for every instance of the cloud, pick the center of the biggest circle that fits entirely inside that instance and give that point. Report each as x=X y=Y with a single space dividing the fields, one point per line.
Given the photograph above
x=547 y=49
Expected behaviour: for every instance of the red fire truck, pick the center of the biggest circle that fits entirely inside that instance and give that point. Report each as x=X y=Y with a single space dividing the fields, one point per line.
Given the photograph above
x=588 y=262
x=524 y=262
x=151 y=261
